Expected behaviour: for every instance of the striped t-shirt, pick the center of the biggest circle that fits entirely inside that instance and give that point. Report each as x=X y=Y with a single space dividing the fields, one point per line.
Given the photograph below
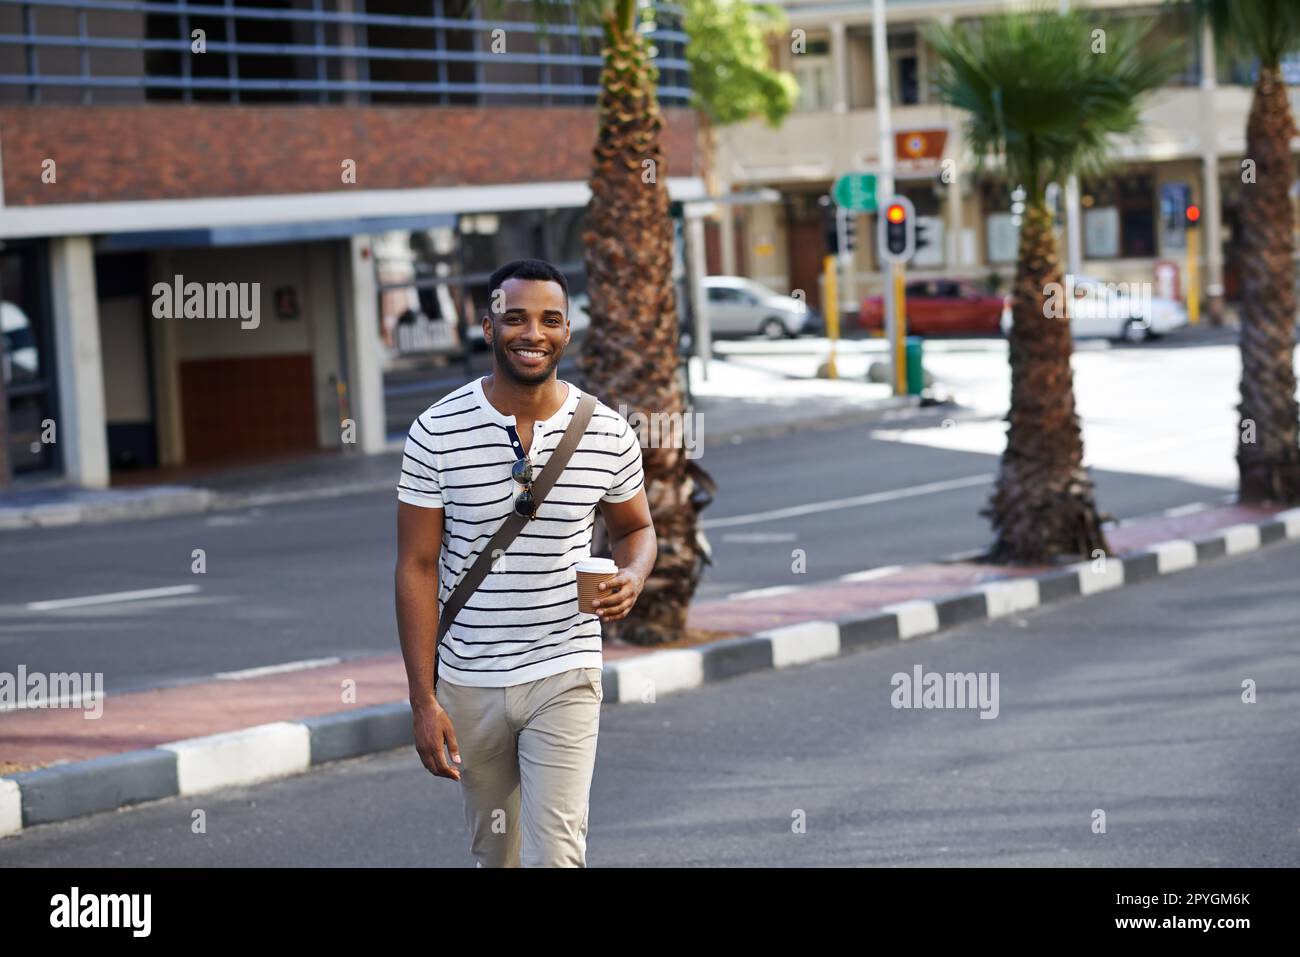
x=522 y=623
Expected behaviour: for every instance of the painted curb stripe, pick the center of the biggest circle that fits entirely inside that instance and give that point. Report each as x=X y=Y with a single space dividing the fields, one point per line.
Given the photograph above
x=804 y=642
x=1010 y=596
x=917 y=617
x=11 y=807
x=241 y=757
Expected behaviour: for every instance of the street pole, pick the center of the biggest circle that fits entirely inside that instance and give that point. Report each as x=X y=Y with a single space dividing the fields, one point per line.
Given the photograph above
x=897 y=345
x=1193 y=277
x=832 y=296
x=885 y=178
x=698 y=267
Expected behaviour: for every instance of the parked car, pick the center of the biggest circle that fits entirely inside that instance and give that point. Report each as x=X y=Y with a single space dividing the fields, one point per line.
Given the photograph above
x=742 y=307
x=1117 y=311
x=940 y=307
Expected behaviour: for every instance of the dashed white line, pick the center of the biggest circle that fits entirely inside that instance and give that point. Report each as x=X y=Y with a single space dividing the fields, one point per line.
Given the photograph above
x=112 y=597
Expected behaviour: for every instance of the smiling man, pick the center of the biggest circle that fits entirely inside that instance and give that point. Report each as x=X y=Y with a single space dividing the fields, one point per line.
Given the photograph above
x=518 y=694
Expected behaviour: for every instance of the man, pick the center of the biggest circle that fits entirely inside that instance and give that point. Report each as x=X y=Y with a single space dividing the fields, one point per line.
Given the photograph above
x=519 y=671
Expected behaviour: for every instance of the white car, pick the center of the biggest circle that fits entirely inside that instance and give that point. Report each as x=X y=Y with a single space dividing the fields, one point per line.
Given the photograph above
x=742 y=307
x=1126 y=311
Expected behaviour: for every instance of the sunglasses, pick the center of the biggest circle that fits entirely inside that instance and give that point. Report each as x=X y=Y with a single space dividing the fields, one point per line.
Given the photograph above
x=522 y=472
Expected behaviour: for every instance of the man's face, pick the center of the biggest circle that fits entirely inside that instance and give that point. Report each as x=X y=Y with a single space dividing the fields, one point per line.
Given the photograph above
x=529 y=332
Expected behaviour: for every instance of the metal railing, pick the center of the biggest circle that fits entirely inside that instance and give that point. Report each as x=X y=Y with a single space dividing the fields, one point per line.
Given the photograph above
x=323 y=51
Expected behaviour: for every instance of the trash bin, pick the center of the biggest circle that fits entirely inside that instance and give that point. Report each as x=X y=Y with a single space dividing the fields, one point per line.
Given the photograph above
x=915 y=372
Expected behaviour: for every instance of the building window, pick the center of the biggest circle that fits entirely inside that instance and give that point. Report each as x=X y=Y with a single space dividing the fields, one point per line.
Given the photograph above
x=812 y=71
x=28 y=350
x=905 y=69
x=1119 y=217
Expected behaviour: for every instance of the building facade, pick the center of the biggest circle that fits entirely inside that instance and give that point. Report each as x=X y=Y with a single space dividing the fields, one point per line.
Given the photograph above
x=1190 y=150
x=226 y=231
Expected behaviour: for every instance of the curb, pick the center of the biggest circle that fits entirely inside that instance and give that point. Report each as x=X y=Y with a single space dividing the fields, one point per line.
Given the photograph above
x=285 y=748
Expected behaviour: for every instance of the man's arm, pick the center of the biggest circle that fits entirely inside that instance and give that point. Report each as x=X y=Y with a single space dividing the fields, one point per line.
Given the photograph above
x=632 y=539
x=419 y=541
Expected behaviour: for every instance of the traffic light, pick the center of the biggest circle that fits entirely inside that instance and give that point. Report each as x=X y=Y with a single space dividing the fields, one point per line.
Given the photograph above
x=922 y=240
x=851 y=231
x=897 y=230
x=829 y=228
x=1193 y=216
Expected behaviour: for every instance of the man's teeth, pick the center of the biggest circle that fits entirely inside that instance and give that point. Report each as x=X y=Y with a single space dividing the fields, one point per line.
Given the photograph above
x=530 y=353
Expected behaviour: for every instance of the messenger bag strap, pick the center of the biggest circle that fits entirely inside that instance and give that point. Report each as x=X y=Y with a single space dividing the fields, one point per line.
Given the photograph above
x=514 y=522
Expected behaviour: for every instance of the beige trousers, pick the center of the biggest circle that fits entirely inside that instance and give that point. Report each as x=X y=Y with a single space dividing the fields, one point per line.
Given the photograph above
x=527 y=756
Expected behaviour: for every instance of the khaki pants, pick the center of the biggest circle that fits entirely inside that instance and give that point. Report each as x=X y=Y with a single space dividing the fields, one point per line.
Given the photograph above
x=527 y=756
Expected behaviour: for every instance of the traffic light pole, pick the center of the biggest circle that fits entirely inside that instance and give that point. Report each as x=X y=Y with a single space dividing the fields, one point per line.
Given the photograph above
x=898 y=350
x=832 y=296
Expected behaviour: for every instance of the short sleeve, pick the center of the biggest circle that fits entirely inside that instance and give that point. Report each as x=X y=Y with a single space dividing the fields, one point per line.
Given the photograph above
x=628 y=476
x=419 y=483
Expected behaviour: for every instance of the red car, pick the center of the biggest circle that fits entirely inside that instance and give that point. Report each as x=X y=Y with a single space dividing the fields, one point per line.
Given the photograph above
x=941 y=307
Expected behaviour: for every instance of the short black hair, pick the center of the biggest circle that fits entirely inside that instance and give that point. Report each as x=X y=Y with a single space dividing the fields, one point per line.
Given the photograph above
x=527 y=269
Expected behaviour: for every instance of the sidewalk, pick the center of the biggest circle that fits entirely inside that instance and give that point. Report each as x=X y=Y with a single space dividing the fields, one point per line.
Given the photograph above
x=736 y=403
x=211 y=734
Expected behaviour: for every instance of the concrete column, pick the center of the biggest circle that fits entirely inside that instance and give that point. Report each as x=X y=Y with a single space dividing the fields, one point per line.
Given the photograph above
x=839 y=68
x=165 y=335
x=1212 y=213
x=1073 y=227
x=366 y=379
x=81 y=428
x=727 y=232
x=952 y=252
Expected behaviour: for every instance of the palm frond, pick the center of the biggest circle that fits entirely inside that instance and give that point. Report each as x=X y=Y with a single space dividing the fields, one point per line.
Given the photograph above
x=1263 y=29
x=1037 y=95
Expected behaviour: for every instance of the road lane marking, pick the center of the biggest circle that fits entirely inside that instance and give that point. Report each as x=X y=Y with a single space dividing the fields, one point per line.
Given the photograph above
x=873 y=498
x=112 y=597
x=871 y=574
x=303 y=665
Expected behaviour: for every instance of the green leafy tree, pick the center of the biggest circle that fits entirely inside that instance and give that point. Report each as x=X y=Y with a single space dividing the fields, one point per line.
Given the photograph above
x=731 y=75
x=1044 y=101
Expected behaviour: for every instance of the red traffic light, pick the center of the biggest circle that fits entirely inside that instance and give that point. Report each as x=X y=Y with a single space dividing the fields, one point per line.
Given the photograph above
x=1193 y=214
x=896 y=213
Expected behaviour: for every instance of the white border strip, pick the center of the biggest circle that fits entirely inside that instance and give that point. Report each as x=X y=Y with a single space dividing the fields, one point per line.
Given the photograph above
x=804 y=642
x=241 y=757
x=11 y=807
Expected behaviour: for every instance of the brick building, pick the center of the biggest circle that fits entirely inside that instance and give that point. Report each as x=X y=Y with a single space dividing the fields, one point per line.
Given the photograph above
x=224 y=228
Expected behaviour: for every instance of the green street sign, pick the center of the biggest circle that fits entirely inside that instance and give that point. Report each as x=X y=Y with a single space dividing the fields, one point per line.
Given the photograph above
x=856 y=191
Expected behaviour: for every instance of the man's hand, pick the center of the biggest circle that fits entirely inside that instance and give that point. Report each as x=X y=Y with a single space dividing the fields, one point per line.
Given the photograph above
x=618 y=595
x=433 y=733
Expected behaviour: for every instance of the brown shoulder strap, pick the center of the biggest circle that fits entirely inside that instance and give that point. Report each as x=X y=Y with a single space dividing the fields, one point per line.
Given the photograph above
x=514 y=521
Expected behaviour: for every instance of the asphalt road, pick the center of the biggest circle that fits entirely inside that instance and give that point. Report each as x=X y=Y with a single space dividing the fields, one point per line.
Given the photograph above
x=1128 y=703
x=311 y=580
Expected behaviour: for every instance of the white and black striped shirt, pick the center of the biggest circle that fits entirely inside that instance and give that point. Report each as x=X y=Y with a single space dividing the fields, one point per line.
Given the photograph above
x=522 y=623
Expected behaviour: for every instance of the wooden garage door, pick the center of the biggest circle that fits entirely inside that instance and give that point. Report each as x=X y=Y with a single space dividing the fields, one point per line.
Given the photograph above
x=243 y=408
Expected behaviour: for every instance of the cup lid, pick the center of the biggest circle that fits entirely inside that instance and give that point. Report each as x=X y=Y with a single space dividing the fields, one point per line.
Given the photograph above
x=596 y=566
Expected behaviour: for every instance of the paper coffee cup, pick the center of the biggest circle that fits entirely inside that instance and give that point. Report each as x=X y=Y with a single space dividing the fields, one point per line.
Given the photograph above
x=591 y=572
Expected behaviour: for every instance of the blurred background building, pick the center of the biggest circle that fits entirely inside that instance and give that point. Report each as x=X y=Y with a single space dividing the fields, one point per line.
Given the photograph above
x=1190 y=150
x=367 y=162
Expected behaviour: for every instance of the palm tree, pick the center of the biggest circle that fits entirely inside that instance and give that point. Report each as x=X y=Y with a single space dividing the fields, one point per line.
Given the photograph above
x=1268 y=450
x=1045 y=105
x=630 y=352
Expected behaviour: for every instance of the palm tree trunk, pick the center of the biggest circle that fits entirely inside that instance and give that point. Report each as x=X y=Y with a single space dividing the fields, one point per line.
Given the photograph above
x=1268 y=450
x=1043 y=505
x=629 y=357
